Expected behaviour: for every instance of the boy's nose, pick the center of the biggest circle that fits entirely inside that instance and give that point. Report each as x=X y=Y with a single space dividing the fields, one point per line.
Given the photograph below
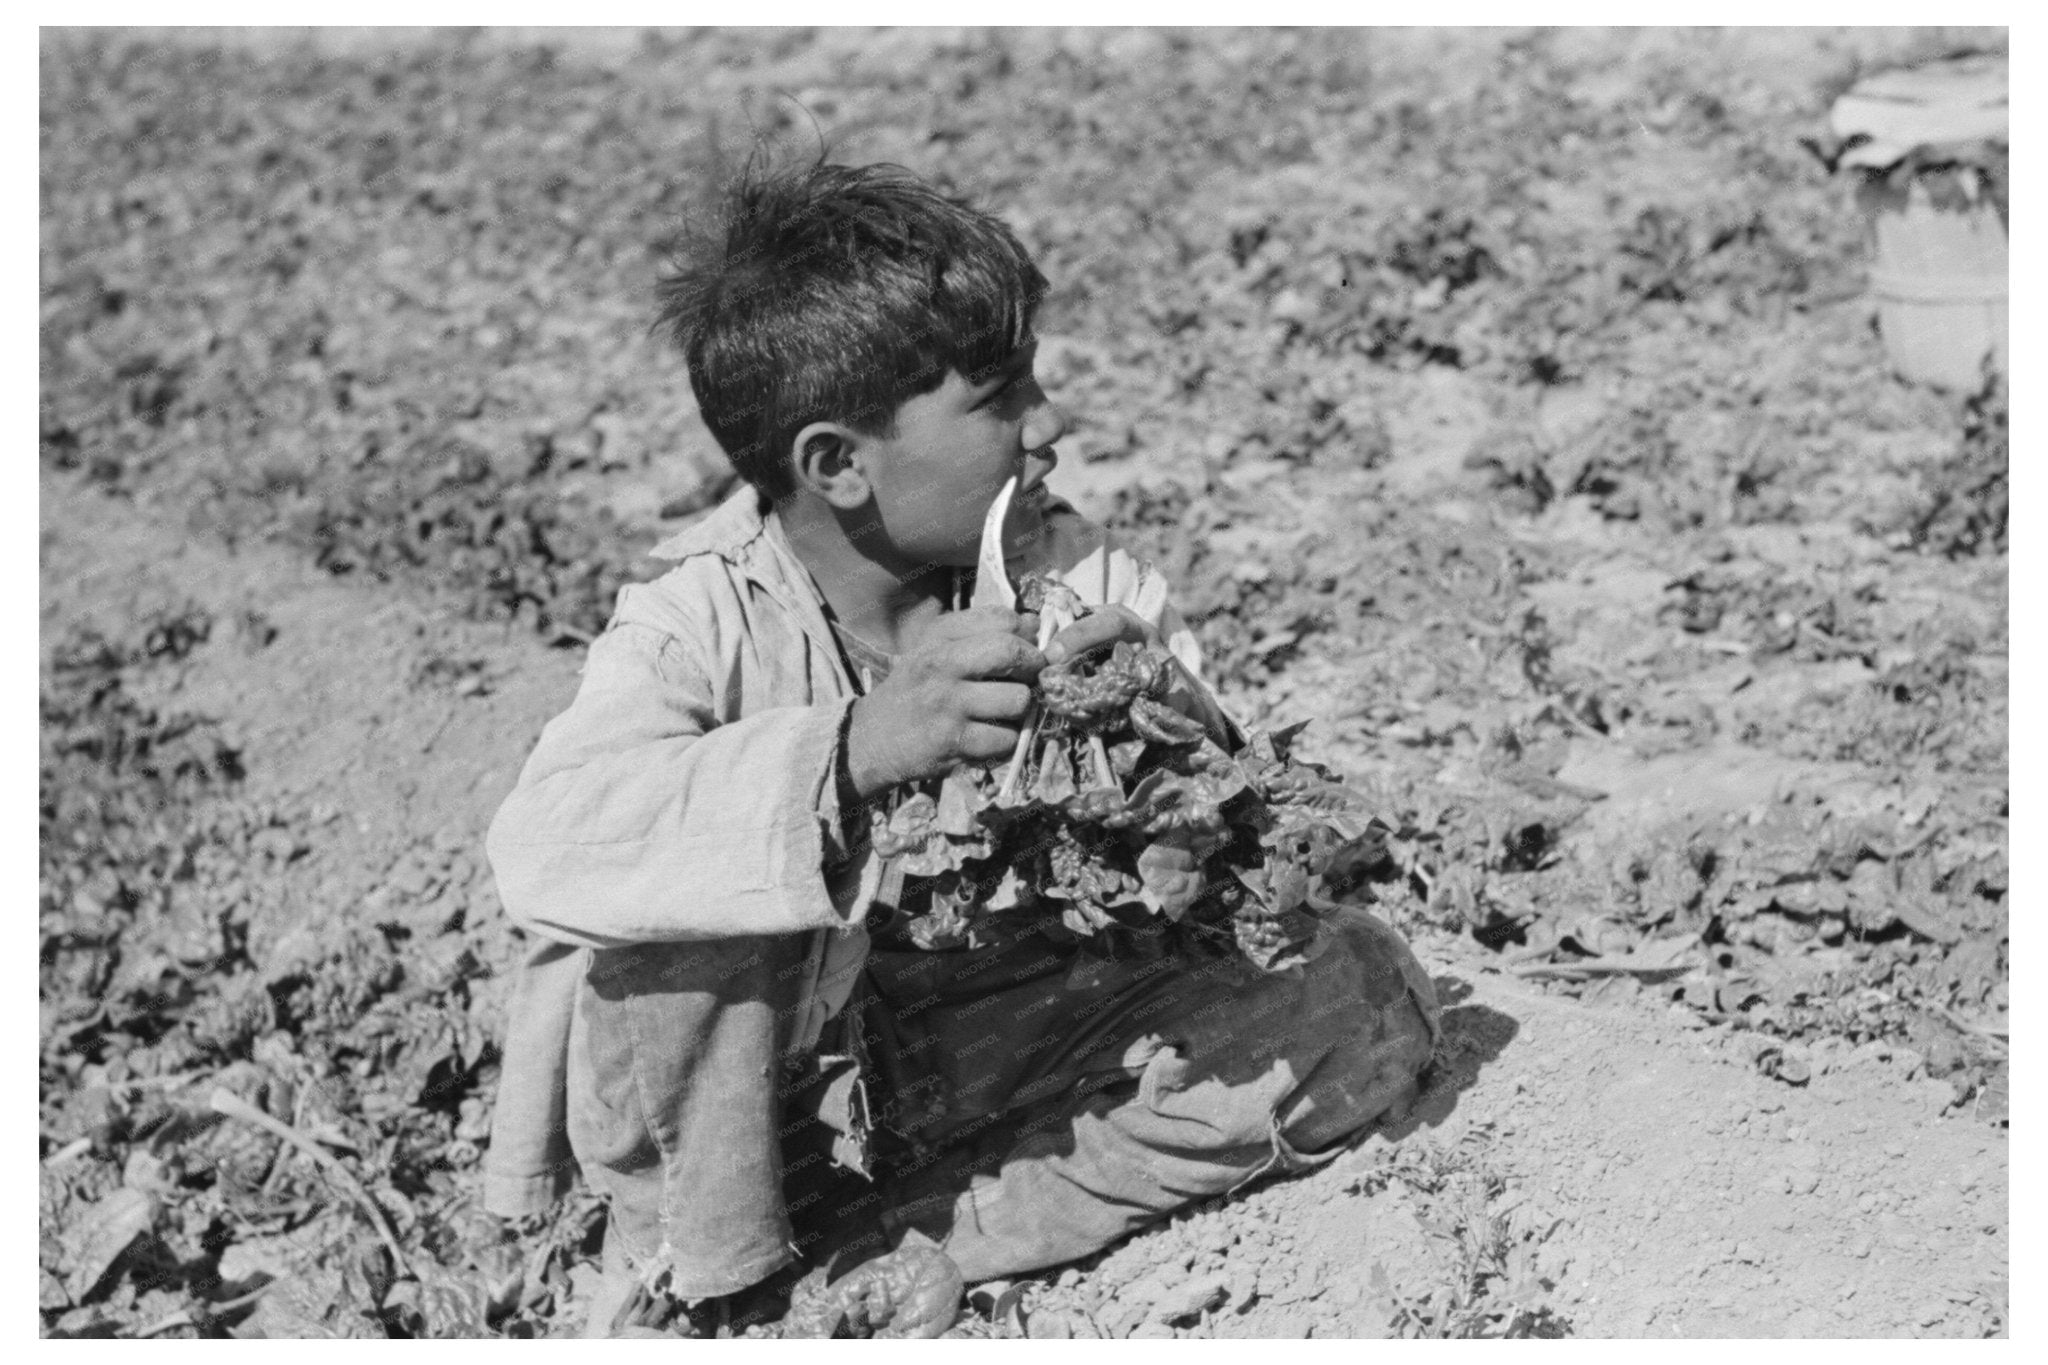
x=1045 y=425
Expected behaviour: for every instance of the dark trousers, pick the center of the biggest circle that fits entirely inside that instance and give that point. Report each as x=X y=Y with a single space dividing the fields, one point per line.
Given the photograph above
x=1015 y=1121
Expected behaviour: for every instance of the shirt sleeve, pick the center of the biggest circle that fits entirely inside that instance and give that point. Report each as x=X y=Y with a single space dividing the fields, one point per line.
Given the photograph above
x=640 y=818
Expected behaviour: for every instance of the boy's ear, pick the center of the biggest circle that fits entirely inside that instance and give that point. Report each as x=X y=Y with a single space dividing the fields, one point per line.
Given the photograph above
x=828 y=461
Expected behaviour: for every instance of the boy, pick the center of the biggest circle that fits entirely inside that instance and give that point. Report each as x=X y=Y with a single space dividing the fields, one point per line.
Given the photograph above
x=722 y=1016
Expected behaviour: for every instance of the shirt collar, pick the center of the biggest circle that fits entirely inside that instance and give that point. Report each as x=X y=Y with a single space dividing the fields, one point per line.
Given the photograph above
x=735 y=524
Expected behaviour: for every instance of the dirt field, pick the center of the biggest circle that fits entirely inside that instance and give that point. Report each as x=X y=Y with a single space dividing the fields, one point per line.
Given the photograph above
x=1504 y=402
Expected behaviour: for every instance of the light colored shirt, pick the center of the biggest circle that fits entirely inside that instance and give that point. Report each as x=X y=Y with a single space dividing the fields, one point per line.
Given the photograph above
x=691 y=791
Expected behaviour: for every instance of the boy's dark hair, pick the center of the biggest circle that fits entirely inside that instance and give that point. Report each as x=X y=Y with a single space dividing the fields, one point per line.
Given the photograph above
x=835 y=293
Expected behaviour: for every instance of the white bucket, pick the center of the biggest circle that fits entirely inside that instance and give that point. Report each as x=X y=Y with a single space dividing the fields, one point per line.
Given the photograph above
x=1939 y=279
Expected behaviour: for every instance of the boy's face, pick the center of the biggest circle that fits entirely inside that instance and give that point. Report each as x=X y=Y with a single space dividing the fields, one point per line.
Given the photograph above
x=935 y=479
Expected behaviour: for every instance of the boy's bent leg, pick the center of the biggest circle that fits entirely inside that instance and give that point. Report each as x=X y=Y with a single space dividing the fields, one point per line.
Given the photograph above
x=1245 y=1072
x=676 y=1109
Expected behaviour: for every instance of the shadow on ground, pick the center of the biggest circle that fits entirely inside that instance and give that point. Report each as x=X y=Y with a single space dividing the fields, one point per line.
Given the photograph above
x=1474 y=1037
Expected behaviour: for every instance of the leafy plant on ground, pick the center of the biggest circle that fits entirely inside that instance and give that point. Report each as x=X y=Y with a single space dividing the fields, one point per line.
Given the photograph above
x=391 y=310
x=155 y=870
x=1964 y=502
x=1498 y=1286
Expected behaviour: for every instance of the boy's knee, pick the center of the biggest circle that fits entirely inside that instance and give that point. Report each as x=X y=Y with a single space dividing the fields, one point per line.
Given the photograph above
x=1383 y=964
x=1377 y=1011
x=1380 y=1060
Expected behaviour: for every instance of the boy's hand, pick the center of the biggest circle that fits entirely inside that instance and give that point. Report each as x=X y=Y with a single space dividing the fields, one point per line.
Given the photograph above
x=1099 y=628
x=958 y=696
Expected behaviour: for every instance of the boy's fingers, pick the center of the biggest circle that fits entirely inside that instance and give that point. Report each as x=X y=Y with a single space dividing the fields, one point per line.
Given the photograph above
x=996 y=656
x=981 y=742
x=1106 y=626
x=996 y=701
